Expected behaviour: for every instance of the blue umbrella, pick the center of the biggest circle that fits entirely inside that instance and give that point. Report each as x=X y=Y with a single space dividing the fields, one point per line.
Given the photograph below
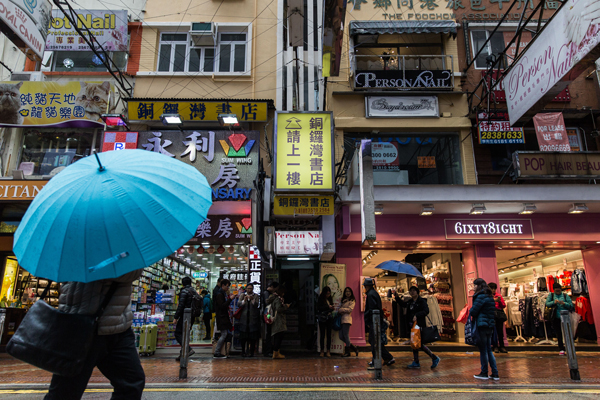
x=108 y=215
x=400 y=267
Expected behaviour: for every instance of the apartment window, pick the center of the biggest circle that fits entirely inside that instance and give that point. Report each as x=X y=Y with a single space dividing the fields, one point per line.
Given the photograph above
x=232 y=52
x=494 y=47
x=178 y=53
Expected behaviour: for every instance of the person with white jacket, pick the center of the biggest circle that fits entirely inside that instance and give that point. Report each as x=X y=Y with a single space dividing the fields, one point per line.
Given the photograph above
x=113 y=350
x=345 y=310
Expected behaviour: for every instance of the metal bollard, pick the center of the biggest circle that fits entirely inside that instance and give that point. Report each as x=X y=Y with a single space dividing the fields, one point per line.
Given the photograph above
x=377 y=333
x=187 y=324
x=565 y=320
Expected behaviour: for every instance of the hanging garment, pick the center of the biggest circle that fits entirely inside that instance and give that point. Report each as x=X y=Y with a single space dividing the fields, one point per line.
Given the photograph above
x=584 y=309
x=550 y=279
x=541 y=284
x=575 y=319
x=435 y=314
x=579 y=282
x=513 y=313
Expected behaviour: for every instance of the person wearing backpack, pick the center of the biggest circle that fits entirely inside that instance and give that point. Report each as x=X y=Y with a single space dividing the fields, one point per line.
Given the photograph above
x=207 y=317
x=560 y=301
x=186 y=298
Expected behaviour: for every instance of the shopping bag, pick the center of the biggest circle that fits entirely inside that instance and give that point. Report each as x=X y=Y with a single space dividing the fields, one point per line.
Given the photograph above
x=463 y=315
x=430 y=334
x=471 y=334
x=415 y=337
x=337 y=323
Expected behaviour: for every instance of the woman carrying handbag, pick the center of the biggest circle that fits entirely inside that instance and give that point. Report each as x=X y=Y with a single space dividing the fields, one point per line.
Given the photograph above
x=348 y=303
x=501 y=318
x=417 y=310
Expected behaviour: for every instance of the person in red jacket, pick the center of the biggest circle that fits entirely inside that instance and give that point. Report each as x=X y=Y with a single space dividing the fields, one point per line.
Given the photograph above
x=500 y=305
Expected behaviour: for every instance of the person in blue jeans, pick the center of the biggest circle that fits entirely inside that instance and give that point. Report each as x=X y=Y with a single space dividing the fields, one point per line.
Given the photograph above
x=482 y=314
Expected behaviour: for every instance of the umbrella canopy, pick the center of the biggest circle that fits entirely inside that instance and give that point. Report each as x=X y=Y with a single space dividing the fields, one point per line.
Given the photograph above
x=400 y=267
x=93 y=222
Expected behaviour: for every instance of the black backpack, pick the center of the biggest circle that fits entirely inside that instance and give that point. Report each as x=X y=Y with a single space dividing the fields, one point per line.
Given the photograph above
x=197 y=305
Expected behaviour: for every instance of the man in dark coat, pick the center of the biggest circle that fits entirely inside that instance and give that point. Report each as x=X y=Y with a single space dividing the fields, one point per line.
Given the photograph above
x=185 y=301
x=222 y=301
x=374 y=303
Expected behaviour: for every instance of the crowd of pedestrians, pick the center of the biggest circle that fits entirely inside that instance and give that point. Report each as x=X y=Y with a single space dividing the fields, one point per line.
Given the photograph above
x=263 y=315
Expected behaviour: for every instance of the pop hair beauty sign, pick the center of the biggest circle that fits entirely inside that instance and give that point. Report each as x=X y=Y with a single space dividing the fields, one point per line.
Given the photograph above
x=566 y=46
x=70 y=104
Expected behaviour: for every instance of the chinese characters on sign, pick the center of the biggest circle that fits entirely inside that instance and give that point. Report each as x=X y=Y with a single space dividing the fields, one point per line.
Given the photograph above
x=224 y=229
x=55 y=104
x=426 y=161
x=299 y=242
x=303 y=205
x=304 y=144
x=255 y=268
x=551 y=132
x=197 y=110
x=228 y=160
x=497 y=130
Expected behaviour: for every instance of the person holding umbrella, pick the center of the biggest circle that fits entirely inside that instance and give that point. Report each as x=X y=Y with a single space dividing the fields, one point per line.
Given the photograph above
x=94 y=226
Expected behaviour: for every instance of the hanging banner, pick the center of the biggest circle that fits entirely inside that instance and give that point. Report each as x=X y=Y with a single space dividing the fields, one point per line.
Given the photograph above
x=565 y=47
x=108 y=26
x=551 y=132
x=26 y=22
x=334 y=276
x=70 y=104
x=304 y=152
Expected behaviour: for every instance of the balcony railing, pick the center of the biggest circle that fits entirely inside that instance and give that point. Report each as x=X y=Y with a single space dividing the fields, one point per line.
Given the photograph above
x=396 y=72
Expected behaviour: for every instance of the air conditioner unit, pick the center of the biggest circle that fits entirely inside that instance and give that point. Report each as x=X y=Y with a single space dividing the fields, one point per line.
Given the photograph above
x=203 y=33
x=28 y=76
x=270 y=239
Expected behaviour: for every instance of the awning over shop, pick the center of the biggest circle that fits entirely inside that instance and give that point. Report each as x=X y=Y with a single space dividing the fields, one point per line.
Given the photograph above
x=381 y=27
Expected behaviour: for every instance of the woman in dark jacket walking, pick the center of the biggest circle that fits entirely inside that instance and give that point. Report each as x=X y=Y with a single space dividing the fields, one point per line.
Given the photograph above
x=417 y=311
x=249 y=324
x=324 y=309
x=483 y=315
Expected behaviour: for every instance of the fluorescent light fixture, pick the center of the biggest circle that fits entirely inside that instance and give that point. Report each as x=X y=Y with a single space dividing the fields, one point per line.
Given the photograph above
x=578 y=208
x=378 y=209
x=298 y=258
x=228 y=119
x=477 y=209
x=528 y=208
x=171 y=119
x=427 y=209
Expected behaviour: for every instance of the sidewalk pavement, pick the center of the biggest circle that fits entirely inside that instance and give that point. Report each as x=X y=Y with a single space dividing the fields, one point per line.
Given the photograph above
x=455 y=369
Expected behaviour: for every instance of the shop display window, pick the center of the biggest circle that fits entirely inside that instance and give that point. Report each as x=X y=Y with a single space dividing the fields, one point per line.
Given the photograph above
x=49 y=149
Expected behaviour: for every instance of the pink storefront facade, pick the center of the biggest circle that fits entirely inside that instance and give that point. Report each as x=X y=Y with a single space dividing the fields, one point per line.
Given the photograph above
x=478 y=238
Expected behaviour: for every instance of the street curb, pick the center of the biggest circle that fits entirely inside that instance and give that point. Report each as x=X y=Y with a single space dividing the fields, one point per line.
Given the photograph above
x=345 y=387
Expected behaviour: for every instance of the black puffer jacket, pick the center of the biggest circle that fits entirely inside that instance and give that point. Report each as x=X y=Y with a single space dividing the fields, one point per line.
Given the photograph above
x=86 y=298
x=373 y=303
x=419 y=309
x=222 y=302
x=483 y=310
x=185 y=300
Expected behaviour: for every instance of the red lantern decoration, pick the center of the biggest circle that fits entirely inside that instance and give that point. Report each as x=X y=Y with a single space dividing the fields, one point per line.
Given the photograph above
x=221 y=249
x=231 y=249
x=200 y=249
x=181 y=251
x=210 y=250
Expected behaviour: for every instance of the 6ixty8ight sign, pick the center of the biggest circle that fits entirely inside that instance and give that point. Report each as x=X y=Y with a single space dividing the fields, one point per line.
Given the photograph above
x=480 y=229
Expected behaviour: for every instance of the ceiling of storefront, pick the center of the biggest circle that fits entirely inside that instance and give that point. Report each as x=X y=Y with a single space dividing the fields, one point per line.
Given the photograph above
x=234 y=258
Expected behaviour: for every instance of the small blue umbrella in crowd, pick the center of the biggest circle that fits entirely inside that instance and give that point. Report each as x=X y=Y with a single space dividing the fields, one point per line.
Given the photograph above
x=400 y=267
x=108 y=215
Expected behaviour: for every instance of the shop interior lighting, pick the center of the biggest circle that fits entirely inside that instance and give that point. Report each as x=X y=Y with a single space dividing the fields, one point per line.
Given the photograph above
x=171 y=119
x=528 y=208
x=477 y=209
x=228 y=119
x=578 y=208
x=427 y=209
x=378 y=210
x=298 y=258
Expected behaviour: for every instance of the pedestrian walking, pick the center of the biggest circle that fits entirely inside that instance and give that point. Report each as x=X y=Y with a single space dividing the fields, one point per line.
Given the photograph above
x=373 y=302
x=249 y=325
x=498 y=342
x=279 y=325
x=207 y=316
x=416 y=311
x=345 y=310
x=483 y=315
x=222 y=301
x=560 y=301
x=186 y=296
x=113 y=350
x=324 y=310
x=268 y=342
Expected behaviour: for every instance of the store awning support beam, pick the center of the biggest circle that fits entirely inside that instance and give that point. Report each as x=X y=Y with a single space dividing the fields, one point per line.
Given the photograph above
x=93 y=43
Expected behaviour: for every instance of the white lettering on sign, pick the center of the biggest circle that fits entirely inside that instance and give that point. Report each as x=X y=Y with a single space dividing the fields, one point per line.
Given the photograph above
x=299 y=243
x=486 y=229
